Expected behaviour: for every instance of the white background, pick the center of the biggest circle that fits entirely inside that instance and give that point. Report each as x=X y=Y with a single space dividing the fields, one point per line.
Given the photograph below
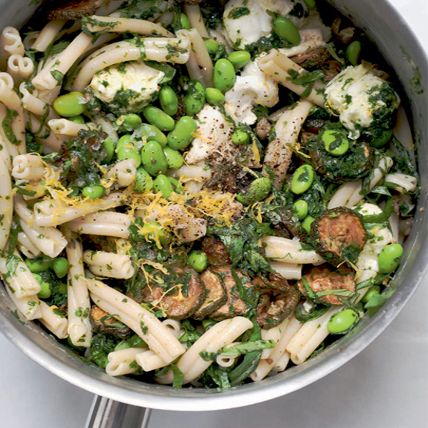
x=386 y=386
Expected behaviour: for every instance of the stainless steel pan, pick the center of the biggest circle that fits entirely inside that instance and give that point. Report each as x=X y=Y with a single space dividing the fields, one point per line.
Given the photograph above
x=401 y=49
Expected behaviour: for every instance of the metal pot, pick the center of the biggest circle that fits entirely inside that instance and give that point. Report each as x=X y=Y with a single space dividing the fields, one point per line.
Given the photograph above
x=401 y=49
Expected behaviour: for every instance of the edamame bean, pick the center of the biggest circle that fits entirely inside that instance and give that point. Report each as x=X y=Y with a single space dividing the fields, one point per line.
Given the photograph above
x=240 y=137
x=371 y=292
x=78 y=119
x=176 y=185
x=239 y=59
x=162 y=184
x=307 y=223
x=300 y=208
x=214 y=96
x=173 y=157
x=353 y=51
x=124 y=141
x=129 y=152
x=311 y=4
x=45 y=289
x=224 y=75
x=342 y=321
x=198 y=260
x=302 y=179
x=60 y=267
x=335 y=142
x=129 y=122
x=381 y=139
x=159 y=118
x=95 y=191
x=150 y=132
x=69 y=105
x=286 y=30
x=108 y=147
x=153 y=158
x=168 y=100
x=194 y=100
x=184 y=22
x=389 y=258
x=182 y=135
x=259 y=189
x=41 y=264
x=212 y=46
x=143 y=181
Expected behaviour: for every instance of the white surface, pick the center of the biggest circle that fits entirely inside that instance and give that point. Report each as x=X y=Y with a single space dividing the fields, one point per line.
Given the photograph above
x=386 y=386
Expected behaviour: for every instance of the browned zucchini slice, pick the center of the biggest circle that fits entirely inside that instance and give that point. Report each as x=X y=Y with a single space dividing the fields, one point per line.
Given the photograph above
x=339 y=235
x=215 y=251
x=274 y=282
x=323 y=278
x=71 y=9
x=216 y=295
x=105 y=323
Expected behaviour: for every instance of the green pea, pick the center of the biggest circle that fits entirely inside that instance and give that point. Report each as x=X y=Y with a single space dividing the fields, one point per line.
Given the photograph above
x=335 y=142
x=129 y=122
x=153 y=158
x=259 y=189
x=158 y=118
x=78 y=119
x=353 y=51
x=168 y=100
x=389 y=258
x=108 y=147
x=371 y=292
x=69 y=105
x=224 y=75
x=182 y=135
x=239 y=58
x=214 y=96
x=240 y=137
x=212 y=46
x=177 y=186
x=41 y=264
x=307 y=223
x=302 y=179
x=150 y=132
x=198 y=260
x=95 y=191
x=45 y=290
x=286 y=30
x=173 y=157
x=381 y=139
x=300 y=208
x=342 y=321
x=184 y=22
x=143 y=181
x=60 y=267
x=194 y=100
x=162 y=184
x=129 y=151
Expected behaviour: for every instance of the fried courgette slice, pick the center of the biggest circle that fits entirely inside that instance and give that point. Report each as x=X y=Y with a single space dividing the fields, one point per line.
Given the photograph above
x=216 y=251
x=215 y=295
x=105 y=323
x=339 y=235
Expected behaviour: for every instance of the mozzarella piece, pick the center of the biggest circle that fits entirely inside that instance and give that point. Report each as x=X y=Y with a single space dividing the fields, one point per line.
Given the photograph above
x=135 y=76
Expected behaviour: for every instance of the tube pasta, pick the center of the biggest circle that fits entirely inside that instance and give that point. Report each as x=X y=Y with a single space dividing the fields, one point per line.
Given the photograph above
x=6 y=203
x=28 y=306
x=225 y=361
x=174 y=326
x=110 y=265
x=191 y=364
x=150 y=361
x=343 y=193
x=30 y=102
x=107 y=223
x=123 y=362
x=78 y=303
x=10 y=42
x=158 y=337
x=402 y=182
x=287 y=270
x=66 y=127
x=47 y=35
x=107 y=127
x=19 y=67
x=27 y=167
x=403 y=133
x=55 y=323
x=193 y=12
x=277 y=66
x=27 y=247
x=52 y=212
x=155 y=49
x=123 y=173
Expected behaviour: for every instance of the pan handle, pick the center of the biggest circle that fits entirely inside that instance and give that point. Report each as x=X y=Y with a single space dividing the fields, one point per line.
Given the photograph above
x=106 y=413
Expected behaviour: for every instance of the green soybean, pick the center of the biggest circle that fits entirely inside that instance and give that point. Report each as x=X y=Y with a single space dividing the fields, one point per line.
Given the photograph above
x=300 y=208
x=198 y=260
x=95 y=191
x=60 y=267
x=194 y=100
x=343 y=321
x=353 y=52
x=389 y=258
x=224 y=75
x=78 y=119
x=162 y=184
x=45 y=290
x=335 y=142
x=173 y=157
x=153 y=158
x=182 y=135
x=151 y=132
x=69 y=105
x=311 y=4
x=259 y=189
x=108 y=147
x=371 y=292
x=168 y=100
x=286 y=30
x=214 y=96
x=302 y=179
x=129 y=122
x=212 y=46
x=41 y=264
x=159 y=118
x=382 y=138
x=143 y=181
x=307 y=223
x=128 y=151
x=240 y=137
x=239 y=59
x=177 y=186
x=184 y=22
x=124 y=141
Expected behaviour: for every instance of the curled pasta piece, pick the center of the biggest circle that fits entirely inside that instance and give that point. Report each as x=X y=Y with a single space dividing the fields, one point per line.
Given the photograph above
x=107 y=223
x=66 y=127
x=30 y=102
x=26 y=247
x=123 y=362
x=109 y=265
x=28 y=306
x=402 y=182
x=27 y=167
x=52 y=212
x=158 y=337
x=191 y=364
x=10 y=42
x=6 y=203
x=123 y=173
x=174 y=326
x=343 y=193
x=47 y=35
x=403 y=132
x=53 y=321
x=193 y=12
x=193 y=176
x=19 y=67
x=150 y=361
x=287 y=270
x=78 y=303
